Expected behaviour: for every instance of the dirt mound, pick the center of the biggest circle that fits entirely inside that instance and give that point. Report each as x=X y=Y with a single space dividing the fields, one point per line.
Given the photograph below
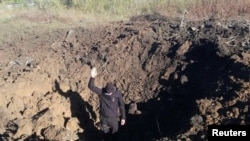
x=177 y=77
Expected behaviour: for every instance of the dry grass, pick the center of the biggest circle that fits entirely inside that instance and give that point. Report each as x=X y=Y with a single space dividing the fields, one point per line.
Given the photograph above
x=222 y=9
x=203 y=9
x=95 y=12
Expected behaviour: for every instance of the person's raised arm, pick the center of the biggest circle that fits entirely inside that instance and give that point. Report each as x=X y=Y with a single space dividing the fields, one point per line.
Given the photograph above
x=91 y=84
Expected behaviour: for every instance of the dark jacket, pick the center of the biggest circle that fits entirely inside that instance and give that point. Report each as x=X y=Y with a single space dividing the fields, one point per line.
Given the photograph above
x=109 y=104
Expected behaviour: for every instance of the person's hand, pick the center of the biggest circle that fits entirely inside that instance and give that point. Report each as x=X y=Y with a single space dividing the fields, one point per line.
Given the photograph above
x=123 y=122
x=93 y=72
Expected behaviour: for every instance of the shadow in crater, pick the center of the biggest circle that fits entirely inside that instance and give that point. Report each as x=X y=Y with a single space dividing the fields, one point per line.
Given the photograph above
x=208 y=77
x=83 y=111
x=169 y=114
x=33 y=137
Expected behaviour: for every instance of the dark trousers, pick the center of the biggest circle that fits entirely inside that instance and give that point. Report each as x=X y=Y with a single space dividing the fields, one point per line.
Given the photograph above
x=110 y=128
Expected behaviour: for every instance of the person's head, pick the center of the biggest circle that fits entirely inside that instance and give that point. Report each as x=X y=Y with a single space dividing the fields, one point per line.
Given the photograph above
x=110 y=88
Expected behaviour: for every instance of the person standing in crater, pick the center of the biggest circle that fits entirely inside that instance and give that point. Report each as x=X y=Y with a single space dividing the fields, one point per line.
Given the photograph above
x=111 y=104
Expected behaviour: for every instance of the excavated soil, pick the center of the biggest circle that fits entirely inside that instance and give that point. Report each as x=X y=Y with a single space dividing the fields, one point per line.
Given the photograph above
x=176 y=78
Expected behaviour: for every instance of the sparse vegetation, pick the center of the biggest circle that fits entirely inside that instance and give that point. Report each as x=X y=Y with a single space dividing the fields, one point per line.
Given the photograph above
x=110 y=10
x=23 y=14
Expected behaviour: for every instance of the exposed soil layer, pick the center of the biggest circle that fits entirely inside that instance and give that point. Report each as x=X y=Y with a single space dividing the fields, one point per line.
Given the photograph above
x=177 y=77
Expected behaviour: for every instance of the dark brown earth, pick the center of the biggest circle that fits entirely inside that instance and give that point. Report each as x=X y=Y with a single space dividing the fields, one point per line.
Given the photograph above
x=177 y=77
